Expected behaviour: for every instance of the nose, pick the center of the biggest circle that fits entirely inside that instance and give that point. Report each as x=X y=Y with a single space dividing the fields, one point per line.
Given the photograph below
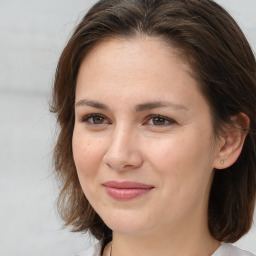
x=123 y=151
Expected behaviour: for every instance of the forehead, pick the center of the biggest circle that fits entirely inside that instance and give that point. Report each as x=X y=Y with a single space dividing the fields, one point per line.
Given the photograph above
x=139 y=58
x=138 y=68
x=135 y=49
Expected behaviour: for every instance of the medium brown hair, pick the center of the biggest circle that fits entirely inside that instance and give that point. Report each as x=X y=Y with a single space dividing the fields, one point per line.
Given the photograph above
x=224 y=65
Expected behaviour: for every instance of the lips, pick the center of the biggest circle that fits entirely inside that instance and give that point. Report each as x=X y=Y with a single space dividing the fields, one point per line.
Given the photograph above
x=126 y=190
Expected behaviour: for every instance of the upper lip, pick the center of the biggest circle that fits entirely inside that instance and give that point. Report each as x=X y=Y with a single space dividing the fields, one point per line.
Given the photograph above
x=126 y=185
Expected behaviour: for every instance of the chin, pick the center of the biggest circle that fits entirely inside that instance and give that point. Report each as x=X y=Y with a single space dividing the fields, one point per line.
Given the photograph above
x=125 y=222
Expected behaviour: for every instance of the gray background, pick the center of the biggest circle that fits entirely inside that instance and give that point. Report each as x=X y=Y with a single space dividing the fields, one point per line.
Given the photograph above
x=32 y=35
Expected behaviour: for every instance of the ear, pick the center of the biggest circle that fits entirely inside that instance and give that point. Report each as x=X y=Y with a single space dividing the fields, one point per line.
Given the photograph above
x=231 y=144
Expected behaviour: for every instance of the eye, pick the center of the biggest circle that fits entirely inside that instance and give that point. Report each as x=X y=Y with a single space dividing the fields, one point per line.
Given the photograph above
x=157 y=120
x=94 y=119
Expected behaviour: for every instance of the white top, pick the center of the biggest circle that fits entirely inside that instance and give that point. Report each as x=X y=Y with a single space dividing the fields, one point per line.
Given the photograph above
x=231 y=250
x=224 y=250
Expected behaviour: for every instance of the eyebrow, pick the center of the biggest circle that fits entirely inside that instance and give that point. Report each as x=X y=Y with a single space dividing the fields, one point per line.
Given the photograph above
x=138 y=108
x=91 y=103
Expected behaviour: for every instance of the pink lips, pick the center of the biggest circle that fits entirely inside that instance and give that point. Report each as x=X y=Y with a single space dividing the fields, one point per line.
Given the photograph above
x=126 y=190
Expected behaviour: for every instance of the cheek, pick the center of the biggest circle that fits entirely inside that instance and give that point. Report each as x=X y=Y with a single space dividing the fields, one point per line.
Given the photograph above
x=184 y=168
x=86 y=153
x=183 y=161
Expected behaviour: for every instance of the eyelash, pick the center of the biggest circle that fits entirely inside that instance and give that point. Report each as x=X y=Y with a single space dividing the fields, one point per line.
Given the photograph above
x=165 y=119
x=86 y=118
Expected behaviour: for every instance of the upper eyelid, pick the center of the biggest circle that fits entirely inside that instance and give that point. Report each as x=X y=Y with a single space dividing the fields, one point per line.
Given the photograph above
x=161 y=116
x=93 y=114
x=86 y=117
x=169 y=119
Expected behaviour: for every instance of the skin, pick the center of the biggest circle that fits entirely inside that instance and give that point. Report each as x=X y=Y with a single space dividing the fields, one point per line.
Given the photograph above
x=175 y=154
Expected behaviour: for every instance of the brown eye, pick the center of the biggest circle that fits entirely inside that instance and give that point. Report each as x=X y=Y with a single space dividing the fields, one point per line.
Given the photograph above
x=158 y=121
x=98 y=119
x=94 y=119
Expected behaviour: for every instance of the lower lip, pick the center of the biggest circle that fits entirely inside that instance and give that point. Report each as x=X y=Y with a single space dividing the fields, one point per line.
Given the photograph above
x=126 y=193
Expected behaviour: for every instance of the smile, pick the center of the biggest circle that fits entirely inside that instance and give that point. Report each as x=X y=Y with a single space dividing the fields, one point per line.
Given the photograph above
x=126 y=190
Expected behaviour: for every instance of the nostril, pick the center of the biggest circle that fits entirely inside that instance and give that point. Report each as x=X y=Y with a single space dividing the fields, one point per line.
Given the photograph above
x=120 y=162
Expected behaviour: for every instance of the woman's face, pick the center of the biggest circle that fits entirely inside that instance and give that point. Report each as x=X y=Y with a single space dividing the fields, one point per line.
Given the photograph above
x=143 y=141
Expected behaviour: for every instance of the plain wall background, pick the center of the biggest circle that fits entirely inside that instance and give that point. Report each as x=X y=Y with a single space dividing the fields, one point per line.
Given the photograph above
x=32 y=35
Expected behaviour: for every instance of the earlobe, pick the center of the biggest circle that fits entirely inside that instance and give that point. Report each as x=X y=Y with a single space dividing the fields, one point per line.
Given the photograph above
x=234 y=138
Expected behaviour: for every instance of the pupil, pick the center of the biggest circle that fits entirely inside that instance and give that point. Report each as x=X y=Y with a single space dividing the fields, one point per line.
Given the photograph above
x=97 y=119
x=158 y=121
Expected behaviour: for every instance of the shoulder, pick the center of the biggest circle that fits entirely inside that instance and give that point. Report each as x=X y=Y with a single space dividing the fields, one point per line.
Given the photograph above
x=228 y=249
x=92 y=251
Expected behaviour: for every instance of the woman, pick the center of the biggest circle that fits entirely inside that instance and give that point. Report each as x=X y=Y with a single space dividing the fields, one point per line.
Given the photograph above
x=156 y=152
